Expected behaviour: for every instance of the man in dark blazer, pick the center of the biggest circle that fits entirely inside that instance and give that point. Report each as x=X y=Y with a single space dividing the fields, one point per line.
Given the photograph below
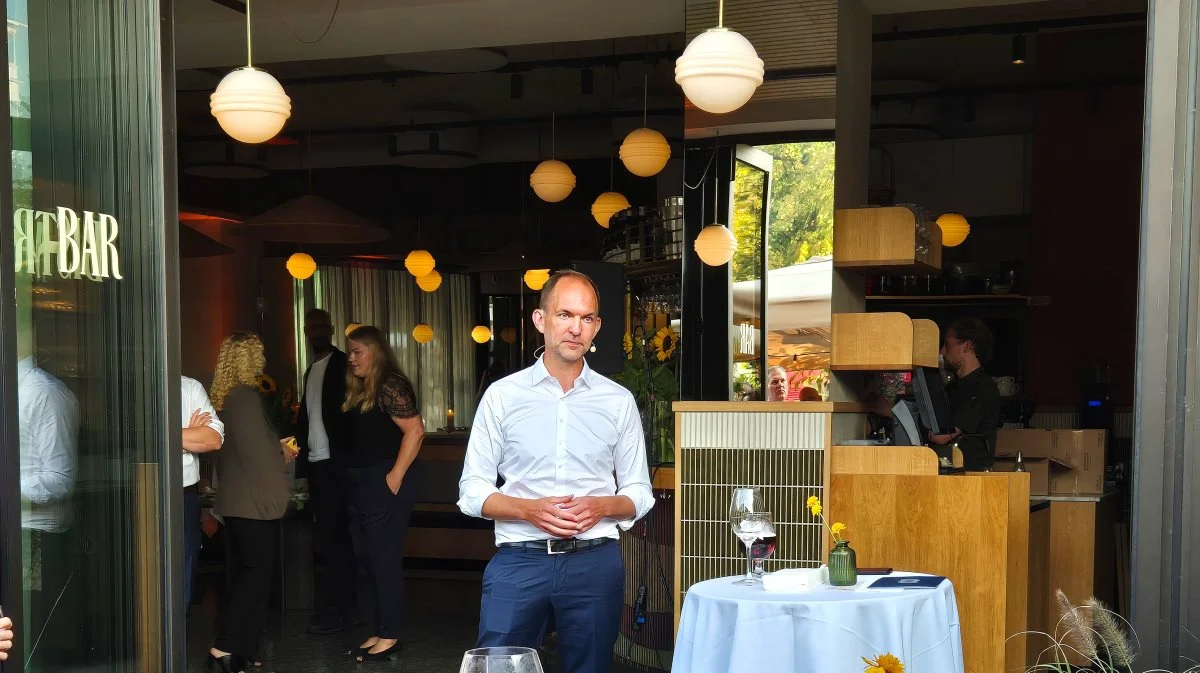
x=323 y=435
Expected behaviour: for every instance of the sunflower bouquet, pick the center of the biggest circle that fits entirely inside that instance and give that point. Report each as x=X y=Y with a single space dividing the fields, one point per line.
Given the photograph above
x=649 y=373
x=279 y=405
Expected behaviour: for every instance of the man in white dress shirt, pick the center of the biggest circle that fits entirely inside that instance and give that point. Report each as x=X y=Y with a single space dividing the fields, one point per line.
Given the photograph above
x=569 y=446
x=49 y=428
x=202 y=432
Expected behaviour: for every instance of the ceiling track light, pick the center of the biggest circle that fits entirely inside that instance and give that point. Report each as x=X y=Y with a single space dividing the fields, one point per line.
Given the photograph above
x=1018 y=50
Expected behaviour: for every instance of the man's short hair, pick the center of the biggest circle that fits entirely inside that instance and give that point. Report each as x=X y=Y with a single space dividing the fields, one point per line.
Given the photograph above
x=781 y=370
x=973 y=330
x=318 y=314
x=548 y=288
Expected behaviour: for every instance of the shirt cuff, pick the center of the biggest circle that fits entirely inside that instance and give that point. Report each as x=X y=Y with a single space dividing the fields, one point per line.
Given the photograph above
x=472 y=498
x=643 y=501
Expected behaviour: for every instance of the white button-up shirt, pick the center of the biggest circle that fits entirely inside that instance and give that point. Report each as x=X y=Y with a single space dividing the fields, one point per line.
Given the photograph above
x=194 y=398
x=544 y=442
x=49 y=415
x=318 y=438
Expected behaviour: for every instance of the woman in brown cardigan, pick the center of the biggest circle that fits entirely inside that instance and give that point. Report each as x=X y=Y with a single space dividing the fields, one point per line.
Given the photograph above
x=252 y=496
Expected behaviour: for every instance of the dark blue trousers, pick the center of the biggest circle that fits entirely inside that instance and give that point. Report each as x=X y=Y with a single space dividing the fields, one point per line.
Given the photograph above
x=192 y=539
x=583 y=590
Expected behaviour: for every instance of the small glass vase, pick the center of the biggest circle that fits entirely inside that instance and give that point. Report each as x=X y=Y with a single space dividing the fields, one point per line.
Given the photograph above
x=843 y=565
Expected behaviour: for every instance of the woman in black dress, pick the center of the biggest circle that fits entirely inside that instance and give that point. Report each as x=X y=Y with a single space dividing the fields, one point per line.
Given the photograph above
x=382 y=487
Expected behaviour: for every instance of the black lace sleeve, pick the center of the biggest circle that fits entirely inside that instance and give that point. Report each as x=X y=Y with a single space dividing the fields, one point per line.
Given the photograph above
x=397 y=398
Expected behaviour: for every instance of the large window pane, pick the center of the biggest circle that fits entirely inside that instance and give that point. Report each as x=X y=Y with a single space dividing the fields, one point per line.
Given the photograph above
x=85 y=117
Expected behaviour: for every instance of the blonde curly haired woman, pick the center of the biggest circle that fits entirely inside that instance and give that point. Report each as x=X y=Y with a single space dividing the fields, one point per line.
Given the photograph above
x=252 y=497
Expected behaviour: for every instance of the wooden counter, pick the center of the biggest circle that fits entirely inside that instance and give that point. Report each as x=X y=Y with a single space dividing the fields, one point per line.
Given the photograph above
x=971 y=528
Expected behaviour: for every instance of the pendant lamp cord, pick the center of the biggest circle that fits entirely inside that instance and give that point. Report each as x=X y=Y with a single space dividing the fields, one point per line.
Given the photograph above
x=716 y=178
x=645 y=97
x=552 y=135
x=720 y=13
x=249 y=62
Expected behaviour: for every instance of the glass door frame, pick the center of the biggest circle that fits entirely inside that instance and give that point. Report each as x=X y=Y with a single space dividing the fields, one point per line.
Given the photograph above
x=170 y=654
x=762 y=162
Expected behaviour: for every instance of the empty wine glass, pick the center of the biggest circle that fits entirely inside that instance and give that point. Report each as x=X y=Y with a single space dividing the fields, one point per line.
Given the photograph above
x=501 y=660
x=748 y=527
x=746 y=499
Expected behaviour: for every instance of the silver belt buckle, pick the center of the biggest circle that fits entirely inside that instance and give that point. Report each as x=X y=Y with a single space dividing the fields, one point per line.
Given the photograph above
x=550 y=547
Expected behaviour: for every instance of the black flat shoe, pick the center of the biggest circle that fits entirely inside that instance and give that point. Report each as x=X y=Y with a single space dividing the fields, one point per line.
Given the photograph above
x=390 y=654
x=357 y=651
x=230 y=663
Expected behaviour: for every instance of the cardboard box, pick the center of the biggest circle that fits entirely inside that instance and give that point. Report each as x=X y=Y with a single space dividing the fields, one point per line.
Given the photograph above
x=1031 y=442
x=1038 y=469
x=1083 y=452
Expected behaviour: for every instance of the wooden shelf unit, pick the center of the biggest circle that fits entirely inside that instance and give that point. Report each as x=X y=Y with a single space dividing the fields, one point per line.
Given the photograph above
x=882 y=239
x=883 y=342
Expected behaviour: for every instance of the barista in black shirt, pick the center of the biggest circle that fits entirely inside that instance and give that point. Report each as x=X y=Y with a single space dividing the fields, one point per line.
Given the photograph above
x=974 y=397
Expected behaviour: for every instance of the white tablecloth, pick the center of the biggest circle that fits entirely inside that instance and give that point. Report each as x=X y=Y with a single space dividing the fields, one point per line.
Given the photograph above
x=729 y=628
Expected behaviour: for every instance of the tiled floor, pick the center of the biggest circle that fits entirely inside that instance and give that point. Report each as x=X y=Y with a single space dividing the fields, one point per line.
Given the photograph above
x=443 y=614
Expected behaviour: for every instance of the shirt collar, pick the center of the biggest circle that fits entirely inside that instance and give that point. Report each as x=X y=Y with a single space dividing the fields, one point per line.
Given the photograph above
x=538 y=373
x=24 y=366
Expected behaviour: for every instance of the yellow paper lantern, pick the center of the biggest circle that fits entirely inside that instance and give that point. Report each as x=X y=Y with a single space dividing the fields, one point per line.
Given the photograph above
x=422 y=333
x=954 y=229
x=481 y=334
x=350 y=328
x=715 y=245
x=645 y=152
x=552 y=180
x=430 y=281
x=536 y=278
x=509 y=335
x=607 y=205
x=301 y=265
x=419 y=263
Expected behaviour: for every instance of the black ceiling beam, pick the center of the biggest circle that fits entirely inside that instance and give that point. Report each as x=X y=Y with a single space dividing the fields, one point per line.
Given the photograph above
x=1013 y=28
x=235 y=5
x=608 y=60
x=470 y=123
x=965 y=92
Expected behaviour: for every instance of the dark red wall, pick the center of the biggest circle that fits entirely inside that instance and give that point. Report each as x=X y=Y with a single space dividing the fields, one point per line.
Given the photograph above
x=1087 y=157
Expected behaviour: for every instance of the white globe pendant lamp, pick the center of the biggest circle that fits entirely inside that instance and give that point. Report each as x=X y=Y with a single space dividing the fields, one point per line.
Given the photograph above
x=719 y=70
x=715 y=244
x=249 y=104
x=552 y=180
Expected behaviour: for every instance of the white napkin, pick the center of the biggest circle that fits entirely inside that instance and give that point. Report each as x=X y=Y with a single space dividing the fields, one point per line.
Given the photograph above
x=796 y=580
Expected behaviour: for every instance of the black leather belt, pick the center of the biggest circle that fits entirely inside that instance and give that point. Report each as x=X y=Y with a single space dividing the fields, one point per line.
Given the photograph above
x=194 y=488
x=557 y=546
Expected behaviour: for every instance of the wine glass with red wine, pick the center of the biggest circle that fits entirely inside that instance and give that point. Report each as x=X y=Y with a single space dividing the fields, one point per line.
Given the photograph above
x=763 y=546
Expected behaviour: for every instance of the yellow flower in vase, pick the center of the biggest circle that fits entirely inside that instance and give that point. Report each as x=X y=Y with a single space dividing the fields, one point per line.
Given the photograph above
x=837 y=529
x=627 y=345
x=665 y=340
x=814 y=505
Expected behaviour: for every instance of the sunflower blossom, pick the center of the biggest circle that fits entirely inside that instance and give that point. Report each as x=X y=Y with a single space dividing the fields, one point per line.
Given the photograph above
x=664 y=342
x=885 y=663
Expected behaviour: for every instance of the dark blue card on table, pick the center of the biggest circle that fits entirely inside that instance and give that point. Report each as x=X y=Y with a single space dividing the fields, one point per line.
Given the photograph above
x=909 y=582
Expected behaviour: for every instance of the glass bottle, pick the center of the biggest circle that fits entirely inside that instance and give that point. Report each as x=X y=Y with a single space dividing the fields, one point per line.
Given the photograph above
x=843 y=565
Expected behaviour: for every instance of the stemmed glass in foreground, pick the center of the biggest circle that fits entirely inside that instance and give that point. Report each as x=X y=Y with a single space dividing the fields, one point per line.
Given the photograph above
x=750 y=521
x=501 y=660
